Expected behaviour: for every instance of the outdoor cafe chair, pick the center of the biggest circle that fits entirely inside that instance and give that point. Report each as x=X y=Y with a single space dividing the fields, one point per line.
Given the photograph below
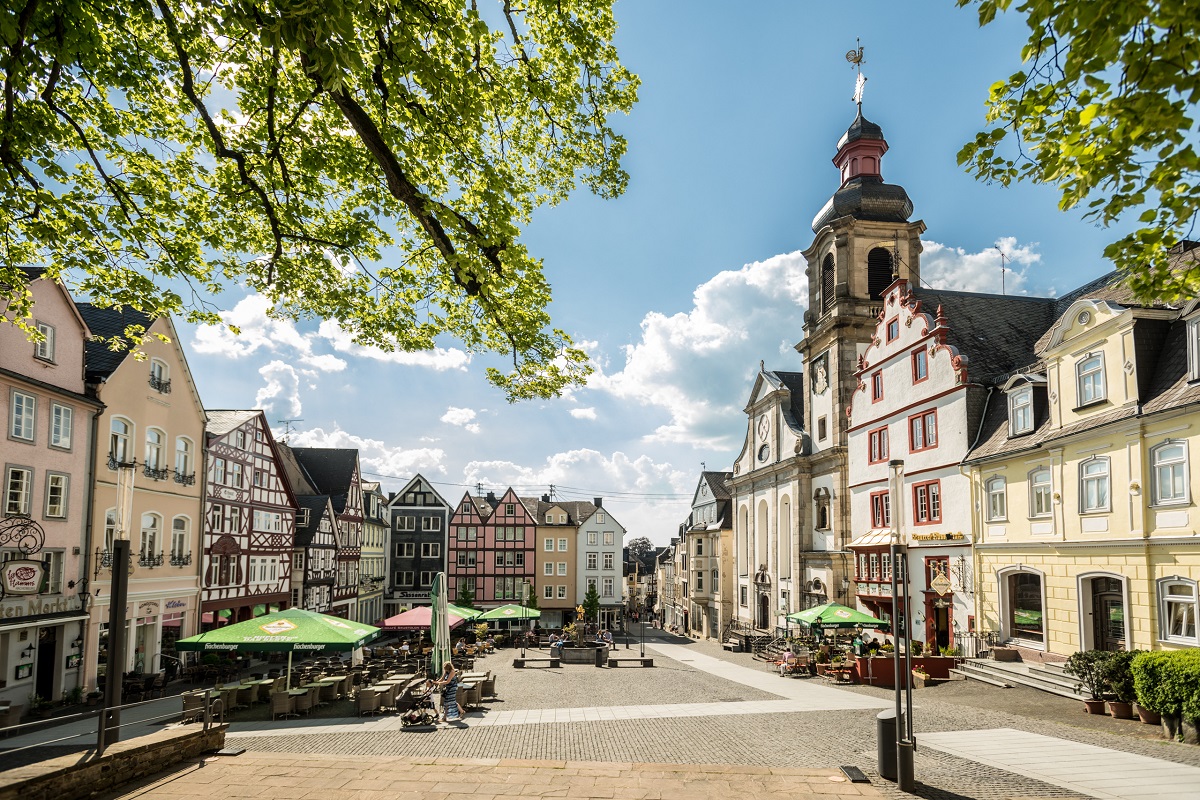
x=193 y=706
x=368 y=702
x=303 y=703
x=283 y=705
x=329 y=691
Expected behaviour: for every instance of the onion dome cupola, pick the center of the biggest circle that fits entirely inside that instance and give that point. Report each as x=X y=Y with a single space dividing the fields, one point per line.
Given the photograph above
x=863 y=194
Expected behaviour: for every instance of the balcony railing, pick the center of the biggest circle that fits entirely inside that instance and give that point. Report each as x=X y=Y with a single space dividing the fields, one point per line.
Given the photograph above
x=150 y=560
x=185 y=480
x=178 y=560
x=155 y=473
x=159 y=385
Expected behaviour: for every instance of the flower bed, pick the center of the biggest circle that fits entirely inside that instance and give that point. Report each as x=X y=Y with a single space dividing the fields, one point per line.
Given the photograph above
x=880 y=670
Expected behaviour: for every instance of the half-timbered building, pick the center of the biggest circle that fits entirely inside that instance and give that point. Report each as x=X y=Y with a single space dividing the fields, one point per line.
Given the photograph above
x=492 y=548
x=335 y=472
x=249 y=521
x=314 y=560
x=420 y=519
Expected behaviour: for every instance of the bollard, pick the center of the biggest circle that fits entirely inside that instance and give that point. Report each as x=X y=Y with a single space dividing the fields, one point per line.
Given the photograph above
x=885 y=743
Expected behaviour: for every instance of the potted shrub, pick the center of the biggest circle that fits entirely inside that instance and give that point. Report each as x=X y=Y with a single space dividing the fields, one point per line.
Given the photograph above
x=1119 y=675
x=39 y=706
x=822 y=661
x=1089 y=666
x=920 y=678
x=917 y=647
x=93 y=697
x=73 y=696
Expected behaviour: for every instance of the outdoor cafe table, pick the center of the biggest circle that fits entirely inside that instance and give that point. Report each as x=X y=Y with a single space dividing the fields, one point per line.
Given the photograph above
x=263 y=687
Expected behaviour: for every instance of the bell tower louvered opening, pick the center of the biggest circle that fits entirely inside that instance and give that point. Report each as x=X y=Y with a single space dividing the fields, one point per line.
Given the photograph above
x=879 y=272
x=827 y=281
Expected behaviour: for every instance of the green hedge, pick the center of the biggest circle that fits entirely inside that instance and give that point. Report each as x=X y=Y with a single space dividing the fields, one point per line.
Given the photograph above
x=1168 y=682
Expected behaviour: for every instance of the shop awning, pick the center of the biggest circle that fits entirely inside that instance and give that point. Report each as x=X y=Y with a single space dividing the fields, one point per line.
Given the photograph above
x=876 y=538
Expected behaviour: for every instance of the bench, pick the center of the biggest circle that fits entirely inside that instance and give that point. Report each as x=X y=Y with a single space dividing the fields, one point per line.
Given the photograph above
x=732 y=646
x=614 y=661
x=550 y=661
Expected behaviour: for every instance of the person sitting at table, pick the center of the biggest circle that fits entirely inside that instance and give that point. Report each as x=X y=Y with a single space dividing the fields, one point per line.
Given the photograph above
x=787 y=663
x=607 y=638
x=460 y=649
x=490 y=644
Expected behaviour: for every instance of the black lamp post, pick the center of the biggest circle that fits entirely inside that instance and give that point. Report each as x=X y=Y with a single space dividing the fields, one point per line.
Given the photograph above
x=109 y=730
x=905 y=741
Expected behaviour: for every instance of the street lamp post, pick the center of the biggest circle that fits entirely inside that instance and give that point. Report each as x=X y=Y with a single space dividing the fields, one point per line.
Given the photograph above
x=524 y=633
x=109 y=730
x=905 y=742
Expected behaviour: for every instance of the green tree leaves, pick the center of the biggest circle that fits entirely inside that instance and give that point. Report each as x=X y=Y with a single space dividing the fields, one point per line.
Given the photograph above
x=1104 y=109
x=367 y=162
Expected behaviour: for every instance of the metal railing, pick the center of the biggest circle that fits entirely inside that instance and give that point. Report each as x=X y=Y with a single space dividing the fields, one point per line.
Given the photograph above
x=183 y=560
x=150 y=560
x=976 y=644
x=156 y=473
x=159 y=385
x=214 y=708
x=185 y=480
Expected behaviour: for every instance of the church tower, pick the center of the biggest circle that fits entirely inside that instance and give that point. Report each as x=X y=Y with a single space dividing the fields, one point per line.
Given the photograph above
x=863 y=242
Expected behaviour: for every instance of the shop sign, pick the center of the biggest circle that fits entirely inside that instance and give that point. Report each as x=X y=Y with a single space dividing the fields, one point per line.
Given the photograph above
x=74 y=660
x=24 y=671
x=22 y=576
x=148 y=609
x=174 y=604
x=940 y=584
x=957 y=536
x=37 y=606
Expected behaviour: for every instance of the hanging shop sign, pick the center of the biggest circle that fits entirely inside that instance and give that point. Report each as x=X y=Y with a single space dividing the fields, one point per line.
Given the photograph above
x=22 y=576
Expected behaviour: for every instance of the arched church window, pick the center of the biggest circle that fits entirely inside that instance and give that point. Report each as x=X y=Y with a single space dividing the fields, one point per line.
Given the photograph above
x=879 y=272
x=827 y=282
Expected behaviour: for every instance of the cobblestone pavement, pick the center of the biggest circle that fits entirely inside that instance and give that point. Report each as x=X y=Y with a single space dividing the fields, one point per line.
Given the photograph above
x=813 y=739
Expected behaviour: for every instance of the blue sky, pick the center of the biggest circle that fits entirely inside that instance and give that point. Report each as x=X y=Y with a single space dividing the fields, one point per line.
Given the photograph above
x=680 y=287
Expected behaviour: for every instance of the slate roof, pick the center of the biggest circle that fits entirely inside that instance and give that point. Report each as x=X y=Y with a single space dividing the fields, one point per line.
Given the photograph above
x=222 y=422
x=1111 y=288
x=1168 y=388
x=102 y=361
x=577 y=510
x=793 y=414
x=294 y=472
x=997 y=333
x=718 y=483
x=330 y=470
x=315 y=503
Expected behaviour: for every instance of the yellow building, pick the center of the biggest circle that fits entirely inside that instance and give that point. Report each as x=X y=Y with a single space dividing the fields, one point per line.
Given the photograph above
x=1085 y=502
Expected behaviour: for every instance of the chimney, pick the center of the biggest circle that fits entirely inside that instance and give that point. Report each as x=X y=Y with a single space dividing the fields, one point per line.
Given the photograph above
x=598 y=502
x=491 y=498
x=545 y=498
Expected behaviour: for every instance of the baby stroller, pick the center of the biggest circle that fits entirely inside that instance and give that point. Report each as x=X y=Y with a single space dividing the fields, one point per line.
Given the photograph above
x=421 y=711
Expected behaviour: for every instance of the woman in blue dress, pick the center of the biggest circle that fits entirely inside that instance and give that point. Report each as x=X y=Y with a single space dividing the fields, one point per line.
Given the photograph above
x=448 y=683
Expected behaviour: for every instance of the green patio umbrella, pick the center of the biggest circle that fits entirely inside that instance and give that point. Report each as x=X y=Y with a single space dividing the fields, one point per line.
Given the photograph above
x=835 y=615
x=439 y=627
x=289 y=631
x=511 y=611
x=463 y=611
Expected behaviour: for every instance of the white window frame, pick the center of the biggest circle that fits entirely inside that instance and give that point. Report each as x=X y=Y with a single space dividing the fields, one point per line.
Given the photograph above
x=22 y=425
x=427 y=578
x=548 y=545
x=1085 y=478
x=608 y=587
x=548 y=568
x=1166 y=601
x=591 y=538
x=62 y=424
x=23 y=494
x=44 y=350
x=562 y=568
x=63 y=482
x=1020 y=411
x=1181 y=464
x=548 y=592
x=156 y=438
x=119 y=443
x=1093 y=378
x=431 y=524
x=608 y=561
x=184 y=456
x=1045 y=488
x=562 y=592
x=562 y=545
x=149 y=533
x=593 y=559
x=995 y=490
x=610 y=538
x=431 y=549
x=181 y=536
x=405 y=522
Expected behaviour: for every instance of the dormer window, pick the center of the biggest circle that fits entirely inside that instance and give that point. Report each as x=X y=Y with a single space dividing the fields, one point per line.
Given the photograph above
x=549 y=518
x=893 y=329
x=1020 y=411
x=1089 y=375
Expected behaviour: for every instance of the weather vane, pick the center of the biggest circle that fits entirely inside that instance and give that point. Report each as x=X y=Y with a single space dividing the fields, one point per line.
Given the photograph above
x=855 y=57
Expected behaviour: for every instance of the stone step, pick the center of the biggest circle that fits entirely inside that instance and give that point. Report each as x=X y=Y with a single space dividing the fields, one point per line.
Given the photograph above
x=960 y=674
x=1017 y=677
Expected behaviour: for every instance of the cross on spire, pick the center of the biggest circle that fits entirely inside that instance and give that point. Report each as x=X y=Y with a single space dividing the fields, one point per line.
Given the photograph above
x=855 y=57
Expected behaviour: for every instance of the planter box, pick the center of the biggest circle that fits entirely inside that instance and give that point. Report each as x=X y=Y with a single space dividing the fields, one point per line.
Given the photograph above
x=920 y=682
x=582 y=655
x=879 y=670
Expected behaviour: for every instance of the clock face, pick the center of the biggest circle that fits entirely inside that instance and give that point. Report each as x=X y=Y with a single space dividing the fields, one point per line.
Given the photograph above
x=764 y=426
x=764 y=452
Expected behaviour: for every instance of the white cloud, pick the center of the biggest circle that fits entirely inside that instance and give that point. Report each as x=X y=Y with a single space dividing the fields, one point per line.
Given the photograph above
x=281 y=393
x=696 y=365
x=946 y=267
x=583 y=413
x=439 y=358
x=392 y=465
x=462 y=417
x=259 y=331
